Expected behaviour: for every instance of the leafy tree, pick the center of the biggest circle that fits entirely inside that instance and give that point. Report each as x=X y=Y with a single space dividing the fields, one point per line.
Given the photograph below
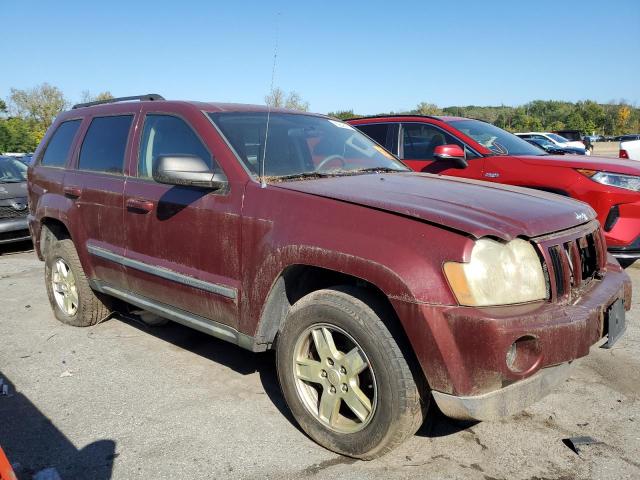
x=425 y=108
x=3 y=106
x=87 y=97
x=343 y=114
x=622 y=118
x=278 y=98
x=41 y=103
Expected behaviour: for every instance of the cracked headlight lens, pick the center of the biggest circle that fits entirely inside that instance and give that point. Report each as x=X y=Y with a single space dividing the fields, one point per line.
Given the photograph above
x=498 y=274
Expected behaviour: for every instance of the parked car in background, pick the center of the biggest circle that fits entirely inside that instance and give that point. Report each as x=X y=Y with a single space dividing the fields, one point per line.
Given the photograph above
x=468 y=148
x=553 y=149
x=379 y=288
x=555 y=139
x=630 y=149
x=13 y=201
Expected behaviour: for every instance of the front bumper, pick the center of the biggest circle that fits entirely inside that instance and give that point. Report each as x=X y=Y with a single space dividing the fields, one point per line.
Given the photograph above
x=14 y=230
x=463 y=351
x=506 y=401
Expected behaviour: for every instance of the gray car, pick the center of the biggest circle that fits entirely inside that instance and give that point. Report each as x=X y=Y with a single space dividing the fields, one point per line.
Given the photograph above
x=13 y=201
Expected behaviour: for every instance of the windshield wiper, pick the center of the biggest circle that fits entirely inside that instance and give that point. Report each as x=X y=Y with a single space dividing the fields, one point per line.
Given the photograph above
x=377 y=170
x=295 y=176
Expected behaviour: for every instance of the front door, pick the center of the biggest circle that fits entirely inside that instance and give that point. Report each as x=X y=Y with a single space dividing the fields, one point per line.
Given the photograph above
x=418 y=142
x=183 y=243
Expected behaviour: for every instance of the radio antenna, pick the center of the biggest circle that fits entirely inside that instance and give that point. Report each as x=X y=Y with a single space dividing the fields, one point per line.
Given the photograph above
x=263 y=184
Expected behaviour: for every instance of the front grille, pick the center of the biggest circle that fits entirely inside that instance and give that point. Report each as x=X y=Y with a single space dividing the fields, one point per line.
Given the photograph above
x=7 y=211
x=573 y=258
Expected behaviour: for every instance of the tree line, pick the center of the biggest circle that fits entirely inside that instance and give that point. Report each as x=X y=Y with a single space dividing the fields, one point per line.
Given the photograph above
x=26 y=114
x=589 y=117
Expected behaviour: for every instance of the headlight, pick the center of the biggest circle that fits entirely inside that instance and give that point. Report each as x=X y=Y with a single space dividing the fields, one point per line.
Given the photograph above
x=498 y=274
x=628 y=182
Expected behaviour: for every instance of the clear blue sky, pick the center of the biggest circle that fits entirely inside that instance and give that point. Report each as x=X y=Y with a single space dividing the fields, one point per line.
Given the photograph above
x=370 y=56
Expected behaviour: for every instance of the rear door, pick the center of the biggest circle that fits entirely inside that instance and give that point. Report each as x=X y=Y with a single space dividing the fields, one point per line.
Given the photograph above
x=417 y=144
x=183 y=243
x=95 y=184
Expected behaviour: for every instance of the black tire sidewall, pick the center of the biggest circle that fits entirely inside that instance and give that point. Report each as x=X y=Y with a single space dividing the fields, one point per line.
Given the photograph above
x=354 y=322
x=58 y=251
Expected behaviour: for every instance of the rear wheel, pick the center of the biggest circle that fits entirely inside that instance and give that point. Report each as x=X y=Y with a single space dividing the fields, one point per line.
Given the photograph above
x=344 y=376
x=70 y=295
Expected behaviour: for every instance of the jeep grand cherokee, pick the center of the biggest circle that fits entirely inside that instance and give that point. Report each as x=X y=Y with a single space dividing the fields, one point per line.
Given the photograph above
x=380 y=289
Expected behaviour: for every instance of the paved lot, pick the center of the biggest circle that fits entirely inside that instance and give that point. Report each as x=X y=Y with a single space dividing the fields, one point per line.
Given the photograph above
x=120 y=400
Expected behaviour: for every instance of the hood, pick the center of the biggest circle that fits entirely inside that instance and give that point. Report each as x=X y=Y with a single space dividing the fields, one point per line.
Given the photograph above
x=473 y=207
x=13 y=190
x=613 y=165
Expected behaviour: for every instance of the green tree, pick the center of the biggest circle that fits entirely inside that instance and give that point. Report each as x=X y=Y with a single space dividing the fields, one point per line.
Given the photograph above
x=424 y=108
x=343 y=114
x=87 y=97
x=41 y=103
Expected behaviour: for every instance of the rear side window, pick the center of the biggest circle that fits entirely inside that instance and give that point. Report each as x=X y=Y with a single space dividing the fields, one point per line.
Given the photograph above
x=104 y=145
x=57 y=150
x=168 y=135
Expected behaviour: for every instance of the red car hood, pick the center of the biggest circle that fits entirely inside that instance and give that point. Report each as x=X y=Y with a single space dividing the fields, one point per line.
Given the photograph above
x=474 y=207
x=613 y=165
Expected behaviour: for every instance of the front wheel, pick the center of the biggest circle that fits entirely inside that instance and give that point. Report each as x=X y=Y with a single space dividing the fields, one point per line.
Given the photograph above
x=344 y=376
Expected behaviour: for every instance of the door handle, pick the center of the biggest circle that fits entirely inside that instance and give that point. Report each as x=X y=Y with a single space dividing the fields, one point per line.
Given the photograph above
x=72 y=192
x=492 y=174
x=139 y=205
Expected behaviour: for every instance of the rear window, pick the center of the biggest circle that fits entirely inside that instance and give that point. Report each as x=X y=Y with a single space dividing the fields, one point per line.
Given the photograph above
x=57 y=151
x=104 y=145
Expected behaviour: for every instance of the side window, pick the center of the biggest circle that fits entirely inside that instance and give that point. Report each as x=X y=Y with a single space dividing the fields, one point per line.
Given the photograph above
x=168 y=135
x=57 y=150
x=104 y=145
x=377 y=131
x=419 y=140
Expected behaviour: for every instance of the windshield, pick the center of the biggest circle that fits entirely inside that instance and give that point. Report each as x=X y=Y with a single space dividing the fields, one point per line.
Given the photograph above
x=12 y=171
x=495 y=139
x=557 y=138
x=301 y=145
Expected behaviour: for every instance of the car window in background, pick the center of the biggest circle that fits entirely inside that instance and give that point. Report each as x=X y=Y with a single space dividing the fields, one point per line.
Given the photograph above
x=495 y=139
x=557 y=138
x=12 y=170
x=57 y=151
x=167 y=135
x=104 y=145
x=378 y=131
x=299 y=145
x=419 y=141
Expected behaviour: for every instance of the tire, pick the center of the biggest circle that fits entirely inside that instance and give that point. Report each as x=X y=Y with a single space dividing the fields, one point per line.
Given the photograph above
x=89 y=307
x=396 y=406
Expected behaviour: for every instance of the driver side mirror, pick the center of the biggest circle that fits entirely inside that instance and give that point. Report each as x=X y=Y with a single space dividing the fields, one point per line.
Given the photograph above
x=188 y=171
x=451 y=153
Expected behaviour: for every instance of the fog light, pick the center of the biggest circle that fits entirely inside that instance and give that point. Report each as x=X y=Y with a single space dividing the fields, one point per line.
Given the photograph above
x=524 y=354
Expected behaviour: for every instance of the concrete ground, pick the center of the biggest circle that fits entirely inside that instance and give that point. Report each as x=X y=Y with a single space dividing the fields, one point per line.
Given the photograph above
x=121 y=400
x=606 y=149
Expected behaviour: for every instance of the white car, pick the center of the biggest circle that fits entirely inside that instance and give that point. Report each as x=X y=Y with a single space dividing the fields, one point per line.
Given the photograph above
x=630 y=149
x=554 y=138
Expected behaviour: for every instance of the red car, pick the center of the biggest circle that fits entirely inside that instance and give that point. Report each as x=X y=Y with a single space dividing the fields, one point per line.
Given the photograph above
x=380 y=289
x=468 y=148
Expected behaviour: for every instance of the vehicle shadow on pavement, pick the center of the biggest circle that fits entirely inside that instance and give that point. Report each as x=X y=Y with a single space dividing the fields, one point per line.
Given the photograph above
x=33 y=444
x=245 y=363
x=237 y=359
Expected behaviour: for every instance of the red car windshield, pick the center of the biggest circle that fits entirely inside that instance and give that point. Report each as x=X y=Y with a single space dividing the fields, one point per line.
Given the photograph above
x=301 y=145
x=497 y=140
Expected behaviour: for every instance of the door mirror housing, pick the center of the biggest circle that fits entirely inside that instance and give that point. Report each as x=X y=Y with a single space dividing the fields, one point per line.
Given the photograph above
x=451 y=153
x=187 y=171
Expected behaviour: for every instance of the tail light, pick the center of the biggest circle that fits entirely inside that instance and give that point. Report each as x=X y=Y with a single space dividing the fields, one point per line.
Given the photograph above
x=623 y=154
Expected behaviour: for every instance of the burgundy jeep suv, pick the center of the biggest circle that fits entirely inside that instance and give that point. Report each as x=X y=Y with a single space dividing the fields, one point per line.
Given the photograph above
x=380 y=289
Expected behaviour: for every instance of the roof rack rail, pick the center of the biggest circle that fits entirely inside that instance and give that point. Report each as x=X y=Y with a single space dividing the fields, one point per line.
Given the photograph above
x=142 y=98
